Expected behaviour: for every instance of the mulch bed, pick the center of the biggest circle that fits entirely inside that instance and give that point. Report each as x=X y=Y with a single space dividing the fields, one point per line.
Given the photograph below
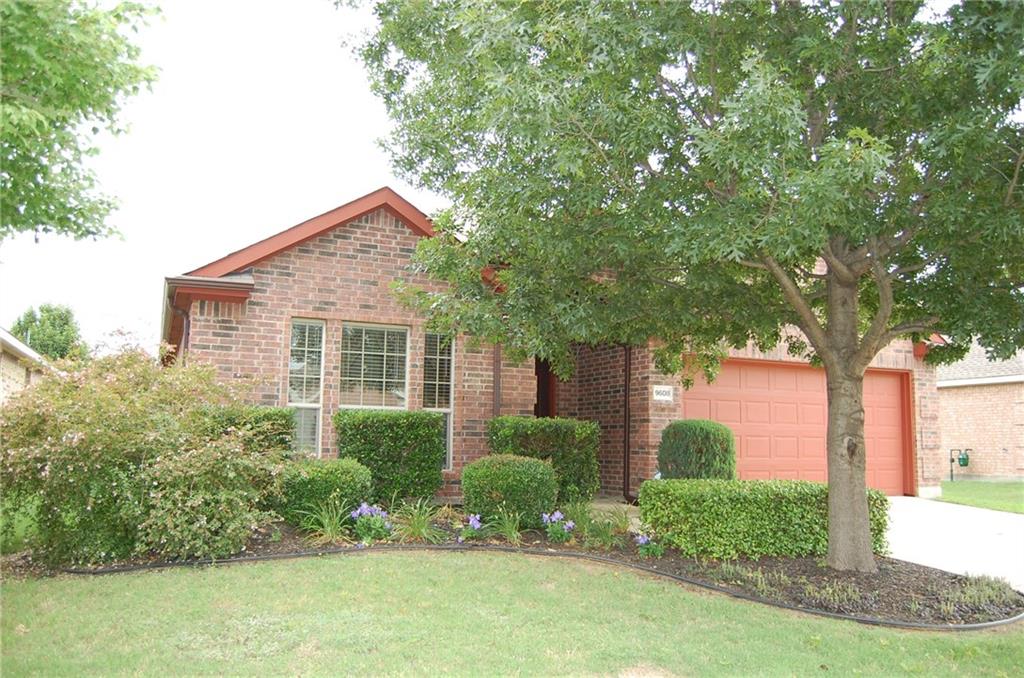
x=899 y=591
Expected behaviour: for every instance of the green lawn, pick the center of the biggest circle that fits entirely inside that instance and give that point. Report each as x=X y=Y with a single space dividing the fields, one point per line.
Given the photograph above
x=456 y=613
x=1001 y=496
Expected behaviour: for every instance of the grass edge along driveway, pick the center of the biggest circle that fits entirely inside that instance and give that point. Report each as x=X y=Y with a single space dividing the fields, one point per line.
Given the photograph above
x=989 y=494
x=455 y=613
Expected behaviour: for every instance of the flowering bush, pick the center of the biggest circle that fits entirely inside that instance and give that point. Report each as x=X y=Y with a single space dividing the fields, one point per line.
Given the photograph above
x=646 y=548
x=372 y=523
x=204 y=503
x=97 y=454
x=473 y=529
x=559 y=530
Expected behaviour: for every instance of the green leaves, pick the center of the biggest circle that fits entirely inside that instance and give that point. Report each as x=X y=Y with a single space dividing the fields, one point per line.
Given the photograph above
x=67 y=67
x=726 y=519
x=627 y=170
x=52 y=332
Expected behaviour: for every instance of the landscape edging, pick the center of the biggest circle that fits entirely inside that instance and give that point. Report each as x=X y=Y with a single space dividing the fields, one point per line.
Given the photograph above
x=342 y=550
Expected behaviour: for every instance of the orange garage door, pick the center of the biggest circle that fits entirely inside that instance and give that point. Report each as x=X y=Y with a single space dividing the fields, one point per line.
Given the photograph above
x=778 y=414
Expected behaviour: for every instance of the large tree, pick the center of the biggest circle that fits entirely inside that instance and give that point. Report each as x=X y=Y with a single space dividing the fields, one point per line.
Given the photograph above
x=52 y=331
x=829 y=175
x=67 y=67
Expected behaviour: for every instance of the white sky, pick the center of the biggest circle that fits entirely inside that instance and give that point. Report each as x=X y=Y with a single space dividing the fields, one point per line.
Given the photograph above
x=260 y=119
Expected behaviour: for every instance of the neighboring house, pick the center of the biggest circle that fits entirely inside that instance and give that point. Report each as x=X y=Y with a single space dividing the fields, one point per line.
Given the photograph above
x=981 y=408
x=20 y=366
x=308 y=314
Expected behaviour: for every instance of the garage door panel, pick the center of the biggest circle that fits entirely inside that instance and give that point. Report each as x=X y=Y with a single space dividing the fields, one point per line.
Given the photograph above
x=779 y=416
x=784 y=413
x=756 y=446
x=727 y=411
x=785 y=447
x=812 y=414
x=812 y=447
x=757 y=412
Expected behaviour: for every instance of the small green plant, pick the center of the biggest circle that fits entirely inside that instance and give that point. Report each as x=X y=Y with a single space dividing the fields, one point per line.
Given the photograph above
x=414 y=522
x=834 y=595
x=647 y=548
x=372 y=523
x=914 y=606
x=507 y=525
x=619 y=518
x=474 y=529
x=326 y=523
x=602 y=533
x=580 y=512
x=558 y=529
x=981 y=592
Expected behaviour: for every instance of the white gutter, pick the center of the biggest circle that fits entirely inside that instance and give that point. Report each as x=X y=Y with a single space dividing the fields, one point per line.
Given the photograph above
x=981 y=381
x=20 y=349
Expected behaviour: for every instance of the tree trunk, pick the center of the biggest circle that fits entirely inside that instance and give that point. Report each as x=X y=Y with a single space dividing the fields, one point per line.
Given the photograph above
x=849 y=532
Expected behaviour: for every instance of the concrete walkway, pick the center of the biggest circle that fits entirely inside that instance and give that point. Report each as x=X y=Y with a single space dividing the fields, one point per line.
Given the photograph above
x=957 y=538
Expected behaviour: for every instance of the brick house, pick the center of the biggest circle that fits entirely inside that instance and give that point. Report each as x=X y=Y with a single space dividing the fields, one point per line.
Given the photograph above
x=981 y=408
x=308 y=315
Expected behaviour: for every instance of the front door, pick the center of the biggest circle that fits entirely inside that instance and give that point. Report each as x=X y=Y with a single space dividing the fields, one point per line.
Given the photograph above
x=547 y=390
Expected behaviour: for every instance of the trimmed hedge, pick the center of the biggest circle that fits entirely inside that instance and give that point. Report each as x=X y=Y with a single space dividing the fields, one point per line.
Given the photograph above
x=308 y=484
x=697 y=448
x=726 y=519
x=569 y=444
x=522 y=485
x=404 y=450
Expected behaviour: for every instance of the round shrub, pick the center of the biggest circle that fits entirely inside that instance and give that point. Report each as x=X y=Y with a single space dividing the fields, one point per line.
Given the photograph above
x=311 y=483
x=569 y=444
x=520 y=485
x=697 y=448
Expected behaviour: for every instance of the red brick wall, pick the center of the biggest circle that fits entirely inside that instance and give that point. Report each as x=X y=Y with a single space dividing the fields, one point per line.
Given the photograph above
x=342 y=276
x=989 y=419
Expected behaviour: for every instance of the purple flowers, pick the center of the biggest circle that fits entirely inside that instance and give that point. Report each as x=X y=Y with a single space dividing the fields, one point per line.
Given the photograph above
x=558 y=532
x=550 y=518
x=474 y=521
x=642 y=539
x=365 y=510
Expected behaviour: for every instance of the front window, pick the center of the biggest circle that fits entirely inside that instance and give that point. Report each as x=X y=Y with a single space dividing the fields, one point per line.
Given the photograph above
x=305 y=382
x=437 y=384
x=373 y=366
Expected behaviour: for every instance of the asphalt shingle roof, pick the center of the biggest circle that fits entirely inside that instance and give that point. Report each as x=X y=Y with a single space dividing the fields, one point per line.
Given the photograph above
x=976 y=365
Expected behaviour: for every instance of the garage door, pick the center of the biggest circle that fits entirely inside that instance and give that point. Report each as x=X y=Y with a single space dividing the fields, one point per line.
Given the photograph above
x=778 y=414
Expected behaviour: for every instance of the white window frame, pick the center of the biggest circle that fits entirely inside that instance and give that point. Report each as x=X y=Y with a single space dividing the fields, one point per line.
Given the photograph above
x=450 y=410
x=341 y=376
x=323 y=353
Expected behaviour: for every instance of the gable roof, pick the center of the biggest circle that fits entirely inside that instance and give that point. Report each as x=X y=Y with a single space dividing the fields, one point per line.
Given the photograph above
x=226 y=279
x=382 y=198
x=976 y=367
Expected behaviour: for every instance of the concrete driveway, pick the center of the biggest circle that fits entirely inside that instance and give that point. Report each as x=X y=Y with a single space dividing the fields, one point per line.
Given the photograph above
x=958 y=538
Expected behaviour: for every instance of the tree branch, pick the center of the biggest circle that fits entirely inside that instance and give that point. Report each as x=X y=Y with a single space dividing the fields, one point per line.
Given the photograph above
x=870 y=343
x=808 y=321
x=914 y=326
x=1008 y=200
